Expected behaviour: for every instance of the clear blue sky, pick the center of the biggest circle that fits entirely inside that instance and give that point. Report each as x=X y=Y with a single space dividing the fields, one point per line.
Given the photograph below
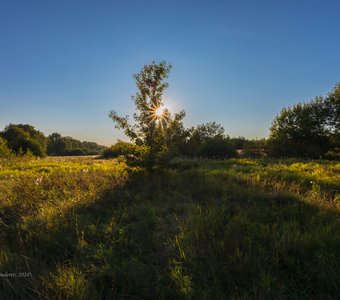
x=64 y=64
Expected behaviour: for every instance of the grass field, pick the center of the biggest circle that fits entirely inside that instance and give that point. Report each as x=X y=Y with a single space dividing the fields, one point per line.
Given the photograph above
x=86 y=228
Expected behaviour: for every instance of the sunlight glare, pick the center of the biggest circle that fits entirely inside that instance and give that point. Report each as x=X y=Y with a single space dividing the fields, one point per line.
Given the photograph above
x=159 y=112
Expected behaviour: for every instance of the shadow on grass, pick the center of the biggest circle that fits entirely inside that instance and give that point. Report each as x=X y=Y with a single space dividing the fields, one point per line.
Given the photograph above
x=181 y=233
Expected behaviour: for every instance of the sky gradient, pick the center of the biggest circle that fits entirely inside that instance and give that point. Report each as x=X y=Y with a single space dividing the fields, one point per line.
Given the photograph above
x=65 y=64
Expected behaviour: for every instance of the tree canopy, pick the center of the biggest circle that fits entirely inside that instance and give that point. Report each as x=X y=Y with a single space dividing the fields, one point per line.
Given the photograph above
x=307 y=129
x=154 y=126
x=23 y=138
x=59 y=145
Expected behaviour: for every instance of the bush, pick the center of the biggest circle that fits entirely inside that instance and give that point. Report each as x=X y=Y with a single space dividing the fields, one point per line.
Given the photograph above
x=134 y=155
x=4 y=150
x=91 y=152
x=120 y=148
x=34 y=147
x=333 y=154
x=74 y=152
x=217 y=147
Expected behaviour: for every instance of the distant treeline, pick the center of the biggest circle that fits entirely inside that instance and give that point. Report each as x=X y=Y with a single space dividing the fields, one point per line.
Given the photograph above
x=305 y=130
x=203 y=141
x=21 y=139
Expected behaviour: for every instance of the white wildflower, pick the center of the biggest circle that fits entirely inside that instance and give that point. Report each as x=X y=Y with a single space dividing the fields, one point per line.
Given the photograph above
x=38 y=180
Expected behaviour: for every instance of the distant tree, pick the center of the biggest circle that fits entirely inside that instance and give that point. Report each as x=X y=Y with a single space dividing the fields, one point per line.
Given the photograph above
x=207 y=130
x=152 y=120
x=200 y=135
x=300 y=130
x=238 y=142
x=56 y=144
x=92 y=148
x=72 y=143
x=332 y=103
x=254 y=144
x=74 y=152
x=59 y=145
x=24 y=138
x=217 y=147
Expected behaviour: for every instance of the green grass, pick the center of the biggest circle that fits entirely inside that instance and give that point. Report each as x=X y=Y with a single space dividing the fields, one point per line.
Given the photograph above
x=236 y=229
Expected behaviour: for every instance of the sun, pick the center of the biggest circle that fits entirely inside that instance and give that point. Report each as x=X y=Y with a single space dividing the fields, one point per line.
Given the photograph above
x=159 y=112
x=159 y=115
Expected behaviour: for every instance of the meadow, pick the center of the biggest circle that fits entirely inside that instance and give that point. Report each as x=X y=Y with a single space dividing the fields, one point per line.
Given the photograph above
x=87 y=228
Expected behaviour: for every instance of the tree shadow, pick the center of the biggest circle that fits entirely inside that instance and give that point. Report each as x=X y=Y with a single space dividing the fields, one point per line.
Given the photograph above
x=229 y=236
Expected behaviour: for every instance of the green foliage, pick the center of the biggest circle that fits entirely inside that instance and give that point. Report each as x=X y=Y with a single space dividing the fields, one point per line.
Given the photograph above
x=58 y=145
x=333 y=106
x=164 y=135
x=176 y=135
x=208 y=140
x=238 y=142
x=67 y=283
x=307 y=130
x=206 y=131
x=74 y=152
x=154 y=126
x=217 y=147
x=23 y=138
x=129 y=150
x=300 y=131
x=4 y=150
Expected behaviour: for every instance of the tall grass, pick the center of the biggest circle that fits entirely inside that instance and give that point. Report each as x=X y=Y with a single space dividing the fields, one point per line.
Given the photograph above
x=236 y=229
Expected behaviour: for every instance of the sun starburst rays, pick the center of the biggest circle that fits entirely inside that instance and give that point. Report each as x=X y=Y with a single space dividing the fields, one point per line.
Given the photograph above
x=158 y=115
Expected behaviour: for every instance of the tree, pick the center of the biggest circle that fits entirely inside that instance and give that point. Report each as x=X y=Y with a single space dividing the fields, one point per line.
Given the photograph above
x=177 y=135
x=332 y=102
x=200 y=135
x=59 y=145
x=238 y=142
x=75 y=152
x=300 y=130
x=92 y=148
x=24 y=138
x=307 y=129
x=217 y=147
x=56 y=144
x=152 y=120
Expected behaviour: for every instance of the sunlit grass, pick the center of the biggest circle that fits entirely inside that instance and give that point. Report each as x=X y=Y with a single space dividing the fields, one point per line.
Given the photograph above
x=236 y=229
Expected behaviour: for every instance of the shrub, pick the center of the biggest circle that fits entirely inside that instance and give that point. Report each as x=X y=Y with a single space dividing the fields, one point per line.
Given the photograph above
x=333 y=154
x=217 y=147
x=4 y=150
x=74 y=152
x=120 y=148
x=91 y=152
